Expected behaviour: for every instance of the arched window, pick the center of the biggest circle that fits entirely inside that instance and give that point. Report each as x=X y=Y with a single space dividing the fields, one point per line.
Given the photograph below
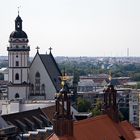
x=43 y=89
x=37 y=74
x=37 y=83
x=17 y=95
x=17 y=76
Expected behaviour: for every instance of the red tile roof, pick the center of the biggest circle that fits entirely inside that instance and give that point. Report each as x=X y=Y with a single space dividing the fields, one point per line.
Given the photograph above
x=55 y=137
x=101 y=128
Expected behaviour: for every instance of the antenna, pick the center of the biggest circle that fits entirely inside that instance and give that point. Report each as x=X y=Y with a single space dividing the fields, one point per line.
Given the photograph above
x=127 y=52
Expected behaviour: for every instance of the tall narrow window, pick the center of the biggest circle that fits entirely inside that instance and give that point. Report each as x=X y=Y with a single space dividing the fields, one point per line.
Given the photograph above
x=17 y=76
x=43 y=89
x=17 y=63
x=37 y=83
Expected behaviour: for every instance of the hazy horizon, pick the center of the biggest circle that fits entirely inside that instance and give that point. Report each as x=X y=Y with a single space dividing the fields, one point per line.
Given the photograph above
x=75 y=27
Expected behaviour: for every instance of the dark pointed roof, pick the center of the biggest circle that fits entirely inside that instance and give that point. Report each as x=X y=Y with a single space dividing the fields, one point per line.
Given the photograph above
x=3 y=124
x=6 y=129
x=52 y=69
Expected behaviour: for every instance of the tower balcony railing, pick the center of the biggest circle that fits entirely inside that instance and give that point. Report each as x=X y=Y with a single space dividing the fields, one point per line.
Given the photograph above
x=18 y=48
x=37 y=94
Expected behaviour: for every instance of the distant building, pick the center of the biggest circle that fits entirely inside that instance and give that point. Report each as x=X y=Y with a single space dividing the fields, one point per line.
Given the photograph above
x=134 y=108
x=86 y=85
x=3 y=90
x=38 y=80
x=4 y=71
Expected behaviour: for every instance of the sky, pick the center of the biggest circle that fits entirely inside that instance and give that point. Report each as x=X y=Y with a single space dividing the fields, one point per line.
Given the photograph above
x=75 y=27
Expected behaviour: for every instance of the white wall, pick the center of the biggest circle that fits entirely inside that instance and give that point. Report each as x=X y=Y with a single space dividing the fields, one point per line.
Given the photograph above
x=8 y=108
x=21 y=90
x=37 y=66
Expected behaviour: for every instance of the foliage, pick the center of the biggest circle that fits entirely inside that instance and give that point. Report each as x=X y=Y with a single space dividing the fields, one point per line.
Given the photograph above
x=4 y=64
x=136 y=76
x=97 y=109
x=83 y=105
x=138 y=85
x=95 y=112
x=76 y=77
x=89 y=68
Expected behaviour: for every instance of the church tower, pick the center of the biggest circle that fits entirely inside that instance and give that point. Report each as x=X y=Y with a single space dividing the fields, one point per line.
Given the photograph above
x=18 y=57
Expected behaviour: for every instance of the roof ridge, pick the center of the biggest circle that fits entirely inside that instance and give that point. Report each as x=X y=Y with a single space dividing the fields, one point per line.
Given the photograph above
x=91 y=119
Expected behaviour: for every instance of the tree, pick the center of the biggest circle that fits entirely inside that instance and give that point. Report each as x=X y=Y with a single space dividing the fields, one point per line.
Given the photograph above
x=97 y=109
x=136 y=77
x=138 y=85
x=83 y=105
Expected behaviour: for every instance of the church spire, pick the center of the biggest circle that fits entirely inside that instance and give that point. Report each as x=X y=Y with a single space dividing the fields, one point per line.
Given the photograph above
x=18 y=23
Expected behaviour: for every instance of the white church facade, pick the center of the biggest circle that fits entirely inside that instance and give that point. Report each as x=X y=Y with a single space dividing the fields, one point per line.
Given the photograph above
x=27 y=80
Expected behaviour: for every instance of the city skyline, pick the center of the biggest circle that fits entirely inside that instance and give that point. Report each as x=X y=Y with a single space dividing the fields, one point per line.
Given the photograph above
x=75 y=27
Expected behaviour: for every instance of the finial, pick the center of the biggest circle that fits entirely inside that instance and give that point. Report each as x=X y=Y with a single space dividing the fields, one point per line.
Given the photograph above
x=64 y=78
x=37 y=48
x=50 y=49
x=18 y=10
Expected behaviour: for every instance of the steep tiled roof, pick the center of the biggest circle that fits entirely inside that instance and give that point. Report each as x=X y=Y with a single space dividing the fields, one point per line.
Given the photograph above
x=28 y=120
x=49 y=112
x=3 y=124
x=101 y=128
x=6 y=129
x=52 y=69
x=128 y=129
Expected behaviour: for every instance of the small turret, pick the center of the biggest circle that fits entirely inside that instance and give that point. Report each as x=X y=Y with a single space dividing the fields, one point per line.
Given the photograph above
x=63 y=122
